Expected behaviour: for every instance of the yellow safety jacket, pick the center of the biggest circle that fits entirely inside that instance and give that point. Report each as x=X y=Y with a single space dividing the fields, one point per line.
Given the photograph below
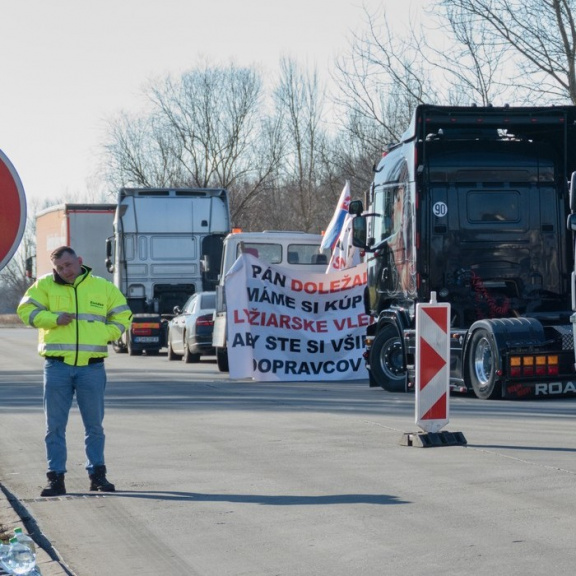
x=102 y=316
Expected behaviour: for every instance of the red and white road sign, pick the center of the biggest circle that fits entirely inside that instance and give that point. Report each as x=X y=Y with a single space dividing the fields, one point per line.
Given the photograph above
x=12 y=210
x=432 y=365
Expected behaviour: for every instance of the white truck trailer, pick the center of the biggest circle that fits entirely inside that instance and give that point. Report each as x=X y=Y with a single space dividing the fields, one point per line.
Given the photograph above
x=84 y=227
x=296 y=250
x=167 y=245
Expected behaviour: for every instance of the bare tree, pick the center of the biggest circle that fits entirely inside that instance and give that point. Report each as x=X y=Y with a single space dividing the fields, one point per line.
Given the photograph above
x=17 y=275
x=389 y=71
x=449 y=58
x=379 y=83
x=250 y=203
x=204 y=129
x=354 y=151
x=209 y=117
x=139 y=153
x=473 y=68
x=285 y=167
x=300 y=106
x=382 y=79
x=539 y=37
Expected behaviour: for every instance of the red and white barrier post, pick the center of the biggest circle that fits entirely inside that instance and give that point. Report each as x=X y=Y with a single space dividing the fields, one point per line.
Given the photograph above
x=432 y=365
x=433 y=376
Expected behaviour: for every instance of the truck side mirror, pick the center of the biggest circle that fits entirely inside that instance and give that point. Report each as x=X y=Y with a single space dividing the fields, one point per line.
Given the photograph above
x=30 y=267
x=573 y=193
x=108 y=262
x=355 y=208
x=205 y=264
x=572 y=222
x=359 y=232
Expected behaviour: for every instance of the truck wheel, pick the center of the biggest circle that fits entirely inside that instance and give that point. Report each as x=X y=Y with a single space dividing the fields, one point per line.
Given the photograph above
x=387 y=366
x=131 y=351
x=119 y=347
x=372 y=381
x=481 y=365
x=222 y=359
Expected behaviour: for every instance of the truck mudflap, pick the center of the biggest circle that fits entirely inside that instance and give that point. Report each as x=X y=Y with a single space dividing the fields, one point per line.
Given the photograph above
x=515 y=390
x=543 y=370
x=512 y=358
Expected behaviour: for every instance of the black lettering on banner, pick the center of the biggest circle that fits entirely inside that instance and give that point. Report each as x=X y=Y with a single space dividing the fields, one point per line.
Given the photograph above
x=292 y=367
x=249 y=340
x=315 y=347
x=274 y=298
x=349 y=343
x=346 y=303
x=267 y=275
x=283 y=343
x=309 y=306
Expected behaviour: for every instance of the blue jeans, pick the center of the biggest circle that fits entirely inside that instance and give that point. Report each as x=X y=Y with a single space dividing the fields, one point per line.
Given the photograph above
x=61 y=382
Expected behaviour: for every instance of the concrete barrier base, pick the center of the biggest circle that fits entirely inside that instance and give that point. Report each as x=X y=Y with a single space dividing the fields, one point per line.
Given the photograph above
x=433 y=439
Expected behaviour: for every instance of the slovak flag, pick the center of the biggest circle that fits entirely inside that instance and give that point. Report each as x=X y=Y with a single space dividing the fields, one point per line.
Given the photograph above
x=345 y=254
x=335 y=227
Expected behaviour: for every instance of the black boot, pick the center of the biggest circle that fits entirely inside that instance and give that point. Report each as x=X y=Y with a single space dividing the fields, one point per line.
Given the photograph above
x=98 y=480
x=55 y=486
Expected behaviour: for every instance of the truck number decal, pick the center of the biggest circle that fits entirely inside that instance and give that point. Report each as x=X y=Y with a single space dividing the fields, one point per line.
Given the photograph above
x=440 y=209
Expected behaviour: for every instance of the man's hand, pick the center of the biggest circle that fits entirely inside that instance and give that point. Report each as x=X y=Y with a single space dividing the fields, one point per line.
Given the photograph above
x=64 y=319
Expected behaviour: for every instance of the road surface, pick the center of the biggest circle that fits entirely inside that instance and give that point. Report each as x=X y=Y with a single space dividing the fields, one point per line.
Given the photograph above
x=224 y=478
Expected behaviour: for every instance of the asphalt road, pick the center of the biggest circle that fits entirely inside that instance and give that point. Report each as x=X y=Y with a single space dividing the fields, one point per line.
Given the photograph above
x=223 y=478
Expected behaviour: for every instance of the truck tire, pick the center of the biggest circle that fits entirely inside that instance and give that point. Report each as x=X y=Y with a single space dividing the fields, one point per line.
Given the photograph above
x=118 y=347
x=481 y=365
x=131 y=351
x=372 y=381
x=387 y=366
x=222 y=359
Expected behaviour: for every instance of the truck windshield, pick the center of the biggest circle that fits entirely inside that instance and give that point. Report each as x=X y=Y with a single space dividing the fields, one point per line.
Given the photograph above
x=271 y=253
x=301 y=254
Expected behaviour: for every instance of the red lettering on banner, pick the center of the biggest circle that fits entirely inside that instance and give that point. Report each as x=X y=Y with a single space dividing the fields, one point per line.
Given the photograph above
x=350 y=323
x=283 y=321
x=345 y=283
x=339 y=263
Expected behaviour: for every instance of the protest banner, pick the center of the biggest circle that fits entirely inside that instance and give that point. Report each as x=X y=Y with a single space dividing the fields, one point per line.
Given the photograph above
x=287 y=325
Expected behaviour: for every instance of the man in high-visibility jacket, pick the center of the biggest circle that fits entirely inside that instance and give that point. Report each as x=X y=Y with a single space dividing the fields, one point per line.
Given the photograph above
x=77 y=315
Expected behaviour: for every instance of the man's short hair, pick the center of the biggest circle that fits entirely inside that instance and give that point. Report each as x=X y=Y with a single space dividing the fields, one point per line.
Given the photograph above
x=59 y=252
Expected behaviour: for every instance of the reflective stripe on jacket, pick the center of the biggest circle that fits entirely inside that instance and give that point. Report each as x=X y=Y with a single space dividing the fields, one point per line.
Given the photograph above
x=102 y=315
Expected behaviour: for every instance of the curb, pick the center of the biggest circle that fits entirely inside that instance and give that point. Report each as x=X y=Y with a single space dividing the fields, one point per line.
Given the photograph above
x=14 y=514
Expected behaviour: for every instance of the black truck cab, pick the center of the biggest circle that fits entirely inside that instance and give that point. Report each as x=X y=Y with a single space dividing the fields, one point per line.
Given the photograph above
x=472 y=205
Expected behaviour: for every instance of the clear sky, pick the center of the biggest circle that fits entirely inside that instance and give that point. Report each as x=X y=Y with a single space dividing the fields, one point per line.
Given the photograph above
x=67 y=65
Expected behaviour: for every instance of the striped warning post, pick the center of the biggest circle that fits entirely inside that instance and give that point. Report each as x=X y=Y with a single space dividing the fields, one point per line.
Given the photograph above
x=432 y=365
